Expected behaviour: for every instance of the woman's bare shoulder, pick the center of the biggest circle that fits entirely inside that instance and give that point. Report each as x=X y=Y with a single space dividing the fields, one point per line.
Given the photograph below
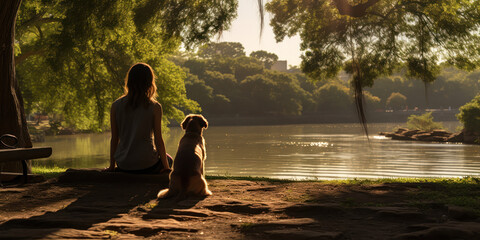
x=157 y=106
x=120 y=99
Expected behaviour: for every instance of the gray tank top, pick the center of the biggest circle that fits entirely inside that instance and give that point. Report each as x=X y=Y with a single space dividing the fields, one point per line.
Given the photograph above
x=135 y=150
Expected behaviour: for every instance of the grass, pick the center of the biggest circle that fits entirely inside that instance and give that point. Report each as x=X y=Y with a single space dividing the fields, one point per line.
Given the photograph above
x=48 y=172
x=257 y=179
x=357 y=181
x=463 y=192
x=52 y=172
x=246 y=226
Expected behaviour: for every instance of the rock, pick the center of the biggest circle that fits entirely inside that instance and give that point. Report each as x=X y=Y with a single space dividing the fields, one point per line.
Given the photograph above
x=461 y=213
x=140 y=227
x=428 y=137
x=401 y=130
x=52 y=233
x=421 y=136
x=448 y=230
x=434 y=139
x=410 y=133
x=290 y=222
x=400 y=214
x=445 y=233
x=401 y=137
x=440 y=132
x=324 y=210
x=242 y=208
x=455 y=137
x=303 y=234
x=470 y=138
x=389 y=134
x=97 y=176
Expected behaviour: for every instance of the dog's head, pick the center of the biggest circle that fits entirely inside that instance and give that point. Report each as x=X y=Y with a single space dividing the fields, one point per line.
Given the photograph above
x=194 y=123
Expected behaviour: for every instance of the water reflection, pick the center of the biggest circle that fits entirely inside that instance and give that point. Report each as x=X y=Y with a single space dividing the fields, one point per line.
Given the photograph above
x=322 y=151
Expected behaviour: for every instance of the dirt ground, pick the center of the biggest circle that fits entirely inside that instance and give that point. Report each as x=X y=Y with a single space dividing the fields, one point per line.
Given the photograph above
x=93 y=205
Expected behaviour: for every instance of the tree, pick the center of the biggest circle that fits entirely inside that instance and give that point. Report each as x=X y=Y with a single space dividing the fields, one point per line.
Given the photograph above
x=86 y=47
x=222 y=49
x=470 y=115
x=198 y=90
x=247 y=66
x=267 y=58
x=373 y=102
x=333 y=97
x=287 y=93
x=12 y=114
x=221 y=83
x=397 y=101
x=371 y=38
x=258 y=94
x=89 y=45
x=272 y=93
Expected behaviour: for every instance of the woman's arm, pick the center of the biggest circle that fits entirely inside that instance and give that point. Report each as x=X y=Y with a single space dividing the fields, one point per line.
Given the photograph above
x=113 y=140
x=157 y=133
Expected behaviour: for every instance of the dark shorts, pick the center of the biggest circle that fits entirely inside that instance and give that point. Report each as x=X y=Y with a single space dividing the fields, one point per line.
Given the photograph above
x=155 y=169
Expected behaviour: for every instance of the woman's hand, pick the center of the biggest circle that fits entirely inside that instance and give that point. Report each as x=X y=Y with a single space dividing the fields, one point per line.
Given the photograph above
x=109 y=169
x=165 y=170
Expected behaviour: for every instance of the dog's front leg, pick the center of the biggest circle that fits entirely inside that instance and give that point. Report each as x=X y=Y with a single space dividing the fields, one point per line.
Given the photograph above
x=204 y=151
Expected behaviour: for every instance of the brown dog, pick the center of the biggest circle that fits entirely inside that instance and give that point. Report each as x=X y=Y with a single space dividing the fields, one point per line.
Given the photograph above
x=187 y=177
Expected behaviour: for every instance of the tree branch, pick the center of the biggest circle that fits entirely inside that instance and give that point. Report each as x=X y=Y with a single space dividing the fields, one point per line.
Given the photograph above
x=20 y=58
x=359 y=10
x=36 y=20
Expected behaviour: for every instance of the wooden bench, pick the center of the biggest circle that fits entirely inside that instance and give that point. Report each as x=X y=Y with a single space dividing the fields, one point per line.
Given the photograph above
x=13 y=154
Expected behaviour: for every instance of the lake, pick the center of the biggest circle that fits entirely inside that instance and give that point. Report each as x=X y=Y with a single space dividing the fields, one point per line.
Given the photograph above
x=313 y=151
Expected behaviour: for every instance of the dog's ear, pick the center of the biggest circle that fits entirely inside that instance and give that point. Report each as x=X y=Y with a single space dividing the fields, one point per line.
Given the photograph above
x=203 y=122
x=185 y=122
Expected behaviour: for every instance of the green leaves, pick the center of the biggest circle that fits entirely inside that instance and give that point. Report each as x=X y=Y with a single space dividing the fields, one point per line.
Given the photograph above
x=470 y=115
x=191 y=21
x=423 y=122
x=369 y=39
x=418 y=34
x=267 y=58
x=221 y=50
x=74 y=55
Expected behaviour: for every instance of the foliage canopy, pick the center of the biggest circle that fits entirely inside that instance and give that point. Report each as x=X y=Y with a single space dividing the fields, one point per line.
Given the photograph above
x=72 y=55
x=371 y=38
x=396 y=101
x=470 y=115
x=423 y=122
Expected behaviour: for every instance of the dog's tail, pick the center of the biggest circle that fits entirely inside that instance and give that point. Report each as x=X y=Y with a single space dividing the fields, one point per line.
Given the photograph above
x=165 y=193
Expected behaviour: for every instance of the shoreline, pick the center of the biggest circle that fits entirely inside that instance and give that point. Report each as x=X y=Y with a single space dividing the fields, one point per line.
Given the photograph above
x=351 y=117
x=324 y=118
x=242 y=209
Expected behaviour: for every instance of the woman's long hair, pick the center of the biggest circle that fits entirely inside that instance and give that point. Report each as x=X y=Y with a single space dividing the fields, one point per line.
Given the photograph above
x=140 y=85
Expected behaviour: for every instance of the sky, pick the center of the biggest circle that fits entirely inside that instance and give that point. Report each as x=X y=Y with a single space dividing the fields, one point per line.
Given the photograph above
x=246 y=30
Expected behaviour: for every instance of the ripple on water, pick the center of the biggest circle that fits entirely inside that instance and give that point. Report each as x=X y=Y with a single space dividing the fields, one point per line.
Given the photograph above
x=318 y=151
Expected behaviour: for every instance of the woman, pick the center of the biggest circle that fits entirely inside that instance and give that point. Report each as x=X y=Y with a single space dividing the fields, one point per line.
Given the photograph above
x=137 y=145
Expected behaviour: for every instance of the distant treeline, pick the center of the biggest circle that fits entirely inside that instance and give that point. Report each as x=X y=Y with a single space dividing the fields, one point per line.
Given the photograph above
x=224 y=81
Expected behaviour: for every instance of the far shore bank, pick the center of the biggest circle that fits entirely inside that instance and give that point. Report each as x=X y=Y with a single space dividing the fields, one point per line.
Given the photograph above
x=350 y=117
x=39 y=131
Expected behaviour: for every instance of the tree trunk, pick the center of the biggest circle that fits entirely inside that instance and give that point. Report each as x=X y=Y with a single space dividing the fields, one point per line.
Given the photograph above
x=12 y=114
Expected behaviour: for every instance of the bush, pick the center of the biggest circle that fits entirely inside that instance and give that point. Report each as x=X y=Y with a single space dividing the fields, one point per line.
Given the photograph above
x=469 y=115
x=423 y=122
